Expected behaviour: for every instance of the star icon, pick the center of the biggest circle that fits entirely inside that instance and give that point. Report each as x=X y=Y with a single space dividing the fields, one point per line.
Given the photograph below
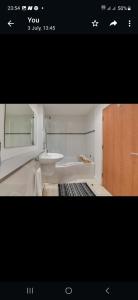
x=95 y=23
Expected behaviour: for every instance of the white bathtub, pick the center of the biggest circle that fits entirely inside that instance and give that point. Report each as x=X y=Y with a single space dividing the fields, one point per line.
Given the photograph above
x=70 y=169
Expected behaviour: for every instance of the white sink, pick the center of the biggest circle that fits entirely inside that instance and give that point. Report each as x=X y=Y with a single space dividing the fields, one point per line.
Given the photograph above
x=50 y=158
x=48 y=162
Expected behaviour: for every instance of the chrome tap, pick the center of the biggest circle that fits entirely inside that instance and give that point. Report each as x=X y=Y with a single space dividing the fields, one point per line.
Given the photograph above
x=46 y=149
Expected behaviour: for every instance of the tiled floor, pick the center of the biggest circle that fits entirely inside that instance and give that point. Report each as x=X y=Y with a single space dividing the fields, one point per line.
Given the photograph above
x=99 y=190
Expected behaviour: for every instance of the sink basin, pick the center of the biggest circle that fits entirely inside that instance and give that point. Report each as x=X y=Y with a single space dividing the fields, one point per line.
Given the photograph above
x=50 y=158
x=48 y=162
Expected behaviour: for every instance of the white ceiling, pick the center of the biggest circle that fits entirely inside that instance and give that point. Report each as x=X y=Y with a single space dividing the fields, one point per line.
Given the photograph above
x=68 y=109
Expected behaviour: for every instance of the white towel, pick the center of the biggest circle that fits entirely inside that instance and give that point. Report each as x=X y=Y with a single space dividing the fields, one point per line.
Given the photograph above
x=38 y=183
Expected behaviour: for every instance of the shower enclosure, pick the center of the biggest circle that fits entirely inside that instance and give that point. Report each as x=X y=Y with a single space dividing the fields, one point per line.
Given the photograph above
x=69 y=136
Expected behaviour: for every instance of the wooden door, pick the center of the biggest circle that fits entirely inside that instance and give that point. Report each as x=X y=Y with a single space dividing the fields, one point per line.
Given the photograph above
x=111 y=149
x=126 y=123
x=134 y=151
x=116 y=151
x=120 y=151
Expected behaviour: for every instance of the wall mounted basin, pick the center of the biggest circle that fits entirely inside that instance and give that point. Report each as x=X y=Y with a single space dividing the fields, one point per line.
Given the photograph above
x=48 y=162
x=50 y=158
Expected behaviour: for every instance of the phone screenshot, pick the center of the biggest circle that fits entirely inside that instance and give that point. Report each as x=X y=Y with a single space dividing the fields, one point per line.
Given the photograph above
x=69 y=150
x=68 y=185
x=68 y=17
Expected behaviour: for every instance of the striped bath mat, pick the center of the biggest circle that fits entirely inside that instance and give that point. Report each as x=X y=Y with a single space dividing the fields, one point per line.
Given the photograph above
x=75 y=189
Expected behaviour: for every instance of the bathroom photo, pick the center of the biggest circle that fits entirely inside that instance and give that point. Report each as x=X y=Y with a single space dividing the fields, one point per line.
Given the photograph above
x=72 y=150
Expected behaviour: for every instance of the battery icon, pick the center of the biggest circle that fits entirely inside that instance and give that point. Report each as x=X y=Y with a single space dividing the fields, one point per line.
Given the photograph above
x=129 y=8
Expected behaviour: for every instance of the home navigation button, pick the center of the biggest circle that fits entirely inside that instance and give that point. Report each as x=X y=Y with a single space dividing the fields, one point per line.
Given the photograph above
x=68 y=290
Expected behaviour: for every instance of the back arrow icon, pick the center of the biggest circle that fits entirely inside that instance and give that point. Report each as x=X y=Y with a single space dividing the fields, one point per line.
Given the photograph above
x=108 y=291
x=10 y=23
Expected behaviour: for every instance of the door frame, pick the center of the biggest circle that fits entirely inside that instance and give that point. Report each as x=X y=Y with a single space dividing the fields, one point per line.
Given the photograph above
x=103 y=141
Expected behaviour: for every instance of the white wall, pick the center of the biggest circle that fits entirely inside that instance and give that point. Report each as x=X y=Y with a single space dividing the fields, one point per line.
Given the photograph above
x=68 y=145
x=94 y=141
x=67 y=123
x=38 y=109
x=8 y=153
x=98 y=152
x=90 y=138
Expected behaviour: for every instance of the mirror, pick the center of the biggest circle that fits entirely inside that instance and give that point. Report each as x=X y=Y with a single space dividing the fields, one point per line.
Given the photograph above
x=19 y=125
